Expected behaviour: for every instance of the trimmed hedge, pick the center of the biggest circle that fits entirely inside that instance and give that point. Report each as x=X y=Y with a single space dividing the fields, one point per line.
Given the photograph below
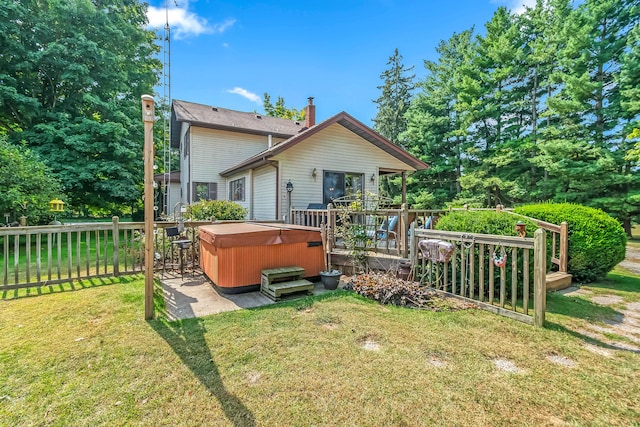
x=483 y=222
x=597 y=241
x=488 y=222
x=206 y=210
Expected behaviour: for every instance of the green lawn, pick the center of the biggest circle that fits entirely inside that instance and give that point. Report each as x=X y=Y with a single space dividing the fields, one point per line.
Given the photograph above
x=86 y=357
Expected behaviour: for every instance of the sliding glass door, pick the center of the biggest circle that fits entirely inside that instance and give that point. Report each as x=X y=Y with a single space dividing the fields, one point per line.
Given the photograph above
x=339 y=184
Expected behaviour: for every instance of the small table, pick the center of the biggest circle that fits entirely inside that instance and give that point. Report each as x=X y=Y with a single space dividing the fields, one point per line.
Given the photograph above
x=182 y=244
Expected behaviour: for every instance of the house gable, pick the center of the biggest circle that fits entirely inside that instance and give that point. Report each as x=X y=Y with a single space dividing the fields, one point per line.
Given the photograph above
x=335 y=150
x=410 y=163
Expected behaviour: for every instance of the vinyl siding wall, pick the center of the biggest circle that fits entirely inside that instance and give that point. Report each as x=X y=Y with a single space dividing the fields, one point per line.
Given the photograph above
x=184 y=164
x=213 y=151
x=334 y=149
x=264 y=193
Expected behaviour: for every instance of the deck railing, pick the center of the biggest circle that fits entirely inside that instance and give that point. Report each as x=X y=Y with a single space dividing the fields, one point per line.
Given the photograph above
x=309 y=217
x=426 y=218
x=506 y=275
x=559 y=241
x=41 y=255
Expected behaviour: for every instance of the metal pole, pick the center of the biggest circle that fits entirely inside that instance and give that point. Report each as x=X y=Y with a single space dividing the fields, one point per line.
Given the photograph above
x=148 y=116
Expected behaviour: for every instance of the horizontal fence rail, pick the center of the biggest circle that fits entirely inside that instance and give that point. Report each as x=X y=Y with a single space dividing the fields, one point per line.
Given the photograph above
x=559 y=241
x=557 y=235
x=42 y=255
x=506 y=275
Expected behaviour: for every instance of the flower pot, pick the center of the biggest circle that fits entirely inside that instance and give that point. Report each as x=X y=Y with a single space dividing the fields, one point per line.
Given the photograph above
x=330 y=279
x=404 y=270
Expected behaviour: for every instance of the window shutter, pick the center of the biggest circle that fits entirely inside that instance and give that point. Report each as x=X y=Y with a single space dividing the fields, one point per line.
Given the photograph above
x=213 y=191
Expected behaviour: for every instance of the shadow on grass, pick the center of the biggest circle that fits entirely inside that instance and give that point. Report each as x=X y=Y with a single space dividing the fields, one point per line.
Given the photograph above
x=187 y=339
x=580 y=308
x=589 y=339
x=55 y=288
x=618 y=281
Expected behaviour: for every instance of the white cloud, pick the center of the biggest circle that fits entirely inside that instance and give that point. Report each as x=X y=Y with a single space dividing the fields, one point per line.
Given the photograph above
x=516 y=6
x=246 y=94
x=185 y=23
x=221 y=28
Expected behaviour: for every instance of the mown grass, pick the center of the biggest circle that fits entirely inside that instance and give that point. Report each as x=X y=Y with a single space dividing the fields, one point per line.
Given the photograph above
x=87 y=357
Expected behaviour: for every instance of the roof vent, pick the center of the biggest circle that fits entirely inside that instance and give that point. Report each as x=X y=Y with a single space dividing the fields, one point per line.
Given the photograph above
x=214 y=108
x=258 y=116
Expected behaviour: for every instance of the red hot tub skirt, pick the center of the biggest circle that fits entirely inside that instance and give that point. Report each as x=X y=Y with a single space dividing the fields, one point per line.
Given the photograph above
x=233 y=255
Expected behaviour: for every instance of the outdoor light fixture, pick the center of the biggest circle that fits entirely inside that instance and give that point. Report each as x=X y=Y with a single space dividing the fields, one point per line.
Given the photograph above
x=314 y=173
x=373 y=177
x=289 y=186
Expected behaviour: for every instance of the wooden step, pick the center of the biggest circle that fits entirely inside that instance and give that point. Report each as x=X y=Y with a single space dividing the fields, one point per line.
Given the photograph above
x=276 y=290
x=281 y=274
x=558 y=280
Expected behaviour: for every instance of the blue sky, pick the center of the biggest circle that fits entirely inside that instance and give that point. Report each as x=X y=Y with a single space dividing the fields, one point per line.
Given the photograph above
x=229 y=53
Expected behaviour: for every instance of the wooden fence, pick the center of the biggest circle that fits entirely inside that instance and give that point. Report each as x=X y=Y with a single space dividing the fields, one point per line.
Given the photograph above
x=42 y=255
x=503 y=274
x=425 y=219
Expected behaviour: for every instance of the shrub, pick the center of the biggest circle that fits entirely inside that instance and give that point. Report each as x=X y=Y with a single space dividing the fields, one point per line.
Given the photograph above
x=483 y=222
x=597 y=242
x=206 y=210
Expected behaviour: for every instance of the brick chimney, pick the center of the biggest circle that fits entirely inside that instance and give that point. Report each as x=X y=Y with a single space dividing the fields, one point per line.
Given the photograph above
x=310 y=114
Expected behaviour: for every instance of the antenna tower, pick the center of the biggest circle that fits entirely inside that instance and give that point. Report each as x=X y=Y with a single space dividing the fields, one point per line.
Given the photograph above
x=166 y=113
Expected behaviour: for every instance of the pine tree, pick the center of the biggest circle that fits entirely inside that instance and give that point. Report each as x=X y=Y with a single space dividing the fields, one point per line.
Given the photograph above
x=438 y=121
x=394 y=100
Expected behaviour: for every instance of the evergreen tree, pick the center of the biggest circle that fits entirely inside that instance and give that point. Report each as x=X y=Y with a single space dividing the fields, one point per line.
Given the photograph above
x=394 y=100
x=439 y=119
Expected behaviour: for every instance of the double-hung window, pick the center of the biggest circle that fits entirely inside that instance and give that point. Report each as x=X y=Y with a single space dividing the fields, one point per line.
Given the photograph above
x=236 y=190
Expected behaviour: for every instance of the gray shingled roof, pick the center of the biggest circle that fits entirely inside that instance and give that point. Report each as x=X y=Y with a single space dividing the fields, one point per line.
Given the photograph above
x=222 y=118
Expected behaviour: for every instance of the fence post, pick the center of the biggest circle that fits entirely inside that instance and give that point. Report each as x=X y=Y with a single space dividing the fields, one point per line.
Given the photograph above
x=331 y=222
x=116 y=246
x=539 y=276
x=564 y=246
x=412 y=243
x=404 y=230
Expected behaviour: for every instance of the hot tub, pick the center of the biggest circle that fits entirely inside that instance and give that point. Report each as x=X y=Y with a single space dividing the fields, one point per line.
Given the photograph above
x=233 y=255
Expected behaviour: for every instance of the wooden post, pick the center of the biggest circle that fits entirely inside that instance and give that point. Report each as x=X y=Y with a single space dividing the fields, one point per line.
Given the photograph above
x=148 y=116
x=564 y=246
x=412 y=244
x=539 y=276
x=116 y=246
x=404 y=230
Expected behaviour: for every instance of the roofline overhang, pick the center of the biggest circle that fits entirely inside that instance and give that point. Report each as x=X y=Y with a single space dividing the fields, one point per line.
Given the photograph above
x=348 y=122
x=175 y=137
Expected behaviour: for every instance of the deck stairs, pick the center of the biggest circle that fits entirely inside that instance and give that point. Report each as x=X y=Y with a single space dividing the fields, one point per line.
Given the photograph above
x=276 y=282
x=558 y=280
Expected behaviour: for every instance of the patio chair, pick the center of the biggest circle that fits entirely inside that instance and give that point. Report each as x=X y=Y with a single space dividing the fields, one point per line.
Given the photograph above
x=387 y=230
x=173 y=234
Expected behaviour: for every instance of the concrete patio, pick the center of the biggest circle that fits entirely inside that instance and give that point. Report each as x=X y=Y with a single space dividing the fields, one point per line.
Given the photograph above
x=195 y=296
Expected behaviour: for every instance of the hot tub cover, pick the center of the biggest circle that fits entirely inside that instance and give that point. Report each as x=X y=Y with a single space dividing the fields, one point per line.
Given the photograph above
x=228 y=235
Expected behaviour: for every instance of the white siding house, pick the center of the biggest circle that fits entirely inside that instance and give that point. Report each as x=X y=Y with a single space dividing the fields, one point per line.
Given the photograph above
x=249 y=158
